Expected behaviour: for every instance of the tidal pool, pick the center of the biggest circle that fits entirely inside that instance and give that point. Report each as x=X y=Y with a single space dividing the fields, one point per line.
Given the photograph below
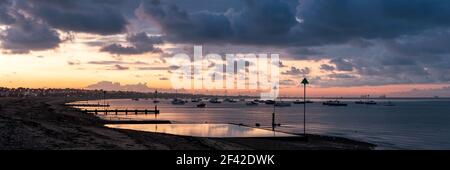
x=203 y=130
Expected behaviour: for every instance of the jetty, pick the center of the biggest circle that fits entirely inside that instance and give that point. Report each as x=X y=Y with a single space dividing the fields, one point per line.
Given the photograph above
x=122 y=111
x=136 y=122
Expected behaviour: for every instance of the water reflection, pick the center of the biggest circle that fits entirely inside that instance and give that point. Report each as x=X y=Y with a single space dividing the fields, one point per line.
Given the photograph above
x=411 y=124
x=203 y=130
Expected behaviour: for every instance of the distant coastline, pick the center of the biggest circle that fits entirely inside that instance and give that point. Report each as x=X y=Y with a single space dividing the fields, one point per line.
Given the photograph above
x=84 y=94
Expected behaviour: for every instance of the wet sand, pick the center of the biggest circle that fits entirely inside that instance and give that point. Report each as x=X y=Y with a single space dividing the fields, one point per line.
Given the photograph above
x=46 y=124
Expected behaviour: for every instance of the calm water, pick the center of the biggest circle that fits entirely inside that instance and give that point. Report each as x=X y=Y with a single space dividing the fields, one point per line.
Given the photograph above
x=411 y=124
x=204 y=130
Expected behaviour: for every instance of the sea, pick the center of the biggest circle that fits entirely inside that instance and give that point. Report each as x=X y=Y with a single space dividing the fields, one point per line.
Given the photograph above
x=416 y=124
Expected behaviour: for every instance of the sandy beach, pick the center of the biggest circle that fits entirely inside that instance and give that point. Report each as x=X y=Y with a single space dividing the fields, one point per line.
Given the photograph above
x=45 y=123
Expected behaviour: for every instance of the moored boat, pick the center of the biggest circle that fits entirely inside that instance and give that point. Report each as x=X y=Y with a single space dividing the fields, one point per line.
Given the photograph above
x=214 y=100
x=229 y=100
x=282 y=104
x=269 y=102
x=370 y=102
x=252 y=103
x=196 y=100
x=177 y=101
x=201 y=105
x=302 y=102
x=334 y=103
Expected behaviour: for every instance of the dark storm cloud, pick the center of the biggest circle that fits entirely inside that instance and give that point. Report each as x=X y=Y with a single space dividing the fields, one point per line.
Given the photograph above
x=32 y=24
x=182 y=26
x=343 y=64
x=304 y=51
x=340 y=21
x=26 y=35
x=257 y=21
x=314 y=22
x=5 y=12
x=90 y=16
x=429 y=43
x=380 y=41
x=139 y=44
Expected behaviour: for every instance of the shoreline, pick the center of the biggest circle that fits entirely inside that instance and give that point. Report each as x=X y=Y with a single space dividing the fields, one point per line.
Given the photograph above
x=43 y=123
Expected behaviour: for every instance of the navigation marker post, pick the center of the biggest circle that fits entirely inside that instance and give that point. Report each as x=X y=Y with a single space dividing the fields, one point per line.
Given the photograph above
x=304 y=82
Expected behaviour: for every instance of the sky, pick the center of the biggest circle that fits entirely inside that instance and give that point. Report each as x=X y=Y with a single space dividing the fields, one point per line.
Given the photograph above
x=344 y=47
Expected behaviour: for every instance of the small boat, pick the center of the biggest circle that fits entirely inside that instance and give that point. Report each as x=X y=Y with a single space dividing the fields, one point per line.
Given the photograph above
x=302 y=102
x=334 y=103
x=214 y=100
x=135 y=99
x=282 y=104
x=196 y=100
x=242 y=100
x=229 y=100
x=201 y=105
x=370 y=102
x=259 y=101
x=177 y=101
x=269 y=102
x=252 y=103
x=298 y=102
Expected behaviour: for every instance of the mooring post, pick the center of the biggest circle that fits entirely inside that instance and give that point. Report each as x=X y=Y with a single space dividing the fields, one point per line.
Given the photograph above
x=106 y=111
x=95 y=112
x=126 y=111
x=273 y=121
x=145 y=111
x=116 y=111
x=136 y=111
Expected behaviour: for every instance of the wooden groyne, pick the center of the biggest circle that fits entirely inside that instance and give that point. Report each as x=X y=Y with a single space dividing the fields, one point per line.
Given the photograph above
x=121 y=111
x=137 y=122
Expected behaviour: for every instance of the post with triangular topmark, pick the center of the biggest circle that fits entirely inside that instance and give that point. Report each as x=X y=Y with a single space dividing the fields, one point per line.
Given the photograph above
x=304 y=82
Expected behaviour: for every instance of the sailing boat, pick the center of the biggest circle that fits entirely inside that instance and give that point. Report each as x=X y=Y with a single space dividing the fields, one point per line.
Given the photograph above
x=370 y=102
